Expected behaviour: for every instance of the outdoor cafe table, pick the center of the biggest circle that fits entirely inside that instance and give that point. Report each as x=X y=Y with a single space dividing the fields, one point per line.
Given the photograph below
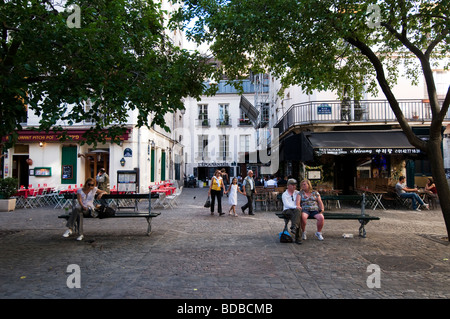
x=377 y=195
x=161 y=190
x=25 y=192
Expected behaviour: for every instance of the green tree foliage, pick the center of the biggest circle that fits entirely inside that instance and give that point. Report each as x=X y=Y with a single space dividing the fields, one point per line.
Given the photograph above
x=332 y=44
x=119 y=59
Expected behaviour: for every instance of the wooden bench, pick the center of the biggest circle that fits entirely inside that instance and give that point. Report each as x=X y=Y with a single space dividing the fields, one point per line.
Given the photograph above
x=363 y=218
x=148 y=215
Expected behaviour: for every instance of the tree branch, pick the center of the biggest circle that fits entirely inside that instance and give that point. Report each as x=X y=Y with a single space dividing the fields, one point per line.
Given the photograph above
x=434 y=43
x=381 y=78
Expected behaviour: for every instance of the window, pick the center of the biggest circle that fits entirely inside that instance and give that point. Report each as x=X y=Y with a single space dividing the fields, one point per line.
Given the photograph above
x=244 y=143
x=442 y=79
x=223 y=147
x=203 y=111
x=265 y=112
x=202 y=147
x=223 y=111
x=244 y=119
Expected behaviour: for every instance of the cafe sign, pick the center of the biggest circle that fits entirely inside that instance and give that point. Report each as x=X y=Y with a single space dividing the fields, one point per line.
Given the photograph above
x=357 y=151
x=36 y=136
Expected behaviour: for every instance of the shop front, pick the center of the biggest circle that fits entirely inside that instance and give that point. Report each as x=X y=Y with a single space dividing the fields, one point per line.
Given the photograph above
x=43 y=158
x=365 y=158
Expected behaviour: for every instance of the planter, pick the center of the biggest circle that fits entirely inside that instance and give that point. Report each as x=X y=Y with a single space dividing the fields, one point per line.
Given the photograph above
x=7 y=205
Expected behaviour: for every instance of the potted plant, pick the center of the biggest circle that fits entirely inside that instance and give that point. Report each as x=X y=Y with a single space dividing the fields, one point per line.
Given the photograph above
x=8 y=187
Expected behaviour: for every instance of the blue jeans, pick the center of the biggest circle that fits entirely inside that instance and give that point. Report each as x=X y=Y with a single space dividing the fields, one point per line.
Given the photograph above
x=414 y=198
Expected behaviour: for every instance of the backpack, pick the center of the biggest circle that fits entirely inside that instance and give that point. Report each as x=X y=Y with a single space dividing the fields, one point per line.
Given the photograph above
x=285 y=237
x=105 y=212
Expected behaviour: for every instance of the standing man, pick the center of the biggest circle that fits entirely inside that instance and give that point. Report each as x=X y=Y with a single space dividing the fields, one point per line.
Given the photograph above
x=249 y=189
x=103 y=180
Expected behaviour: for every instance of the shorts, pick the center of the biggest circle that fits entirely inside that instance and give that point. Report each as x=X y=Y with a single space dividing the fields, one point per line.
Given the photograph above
x=311 y=213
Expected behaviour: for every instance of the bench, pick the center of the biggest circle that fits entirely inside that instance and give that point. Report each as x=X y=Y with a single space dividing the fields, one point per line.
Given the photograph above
x=363 y=218
x=148 y=215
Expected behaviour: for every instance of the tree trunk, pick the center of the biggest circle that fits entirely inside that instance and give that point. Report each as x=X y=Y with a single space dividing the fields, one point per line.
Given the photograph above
x=438 y=172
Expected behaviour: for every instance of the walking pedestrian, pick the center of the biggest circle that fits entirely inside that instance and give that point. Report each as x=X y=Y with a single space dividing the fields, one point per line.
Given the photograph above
x=232 y=199
x=215 y=191
x=249 y=191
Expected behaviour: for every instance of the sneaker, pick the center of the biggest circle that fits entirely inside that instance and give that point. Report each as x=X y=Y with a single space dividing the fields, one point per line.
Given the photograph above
x=79 y=238
x=304 y=235
x=418 y=209
x=67 y=233
x=319 y=236
x=427 y=206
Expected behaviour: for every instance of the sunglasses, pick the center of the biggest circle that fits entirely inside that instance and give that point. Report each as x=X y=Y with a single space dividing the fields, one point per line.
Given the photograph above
x=90 y=185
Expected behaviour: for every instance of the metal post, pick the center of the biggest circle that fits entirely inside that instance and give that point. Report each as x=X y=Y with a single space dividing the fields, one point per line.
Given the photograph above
x=363 y=205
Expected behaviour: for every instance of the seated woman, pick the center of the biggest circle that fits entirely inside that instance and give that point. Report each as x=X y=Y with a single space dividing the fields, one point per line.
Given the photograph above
x=430 y=186
x=84 y=207
x=312 y=205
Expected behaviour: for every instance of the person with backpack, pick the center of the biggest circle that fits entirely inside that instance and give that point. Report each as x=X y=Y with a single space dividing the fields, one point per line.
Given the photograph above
x=292 y=208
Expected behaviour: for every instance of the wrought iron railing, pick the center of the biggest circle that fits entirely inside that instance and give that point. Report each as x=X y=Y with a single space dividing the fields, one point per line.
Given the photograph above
x=347 y=112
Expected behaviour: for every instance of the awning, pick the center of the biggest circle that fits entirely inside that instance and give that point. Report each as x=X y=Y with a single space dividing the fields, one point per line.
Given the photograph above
x=249 y=109
x=296 y=148
x=361 y=142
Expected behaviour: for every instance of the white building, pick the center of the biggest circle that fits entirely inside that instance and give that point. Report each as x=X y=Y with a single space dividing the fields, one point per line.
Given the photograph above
x=218 y=133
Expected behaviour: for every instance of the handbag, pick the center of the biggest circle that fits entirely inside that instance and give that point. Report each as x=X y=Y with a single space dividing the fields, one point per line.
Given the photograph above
x=208 y=202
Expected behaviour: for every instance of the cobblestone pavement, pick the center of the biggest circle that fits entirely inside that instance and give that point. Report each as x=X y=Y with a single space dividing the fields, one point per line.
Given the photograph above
x=191 y=254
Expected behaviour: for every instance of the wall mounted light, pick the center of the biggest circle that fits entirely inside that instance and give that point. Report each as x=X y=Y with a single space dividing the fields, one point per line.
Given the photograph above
x=122 y=161
x=41 y=144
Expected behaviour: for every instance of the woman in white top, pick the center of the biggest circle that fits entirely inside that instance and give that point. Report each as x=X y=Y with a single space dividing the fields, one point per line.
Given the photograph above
x=85 y=205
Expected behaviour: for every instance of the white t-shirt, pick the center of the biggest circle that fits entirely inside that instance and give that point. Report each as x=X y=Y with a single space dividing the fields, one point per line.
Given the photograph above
x=87 y=200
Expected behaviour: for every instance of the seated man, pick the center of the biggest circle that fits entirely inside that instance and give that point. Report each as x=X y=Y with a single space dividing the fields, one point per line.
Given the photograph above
x=404 y=192
x=291 y=208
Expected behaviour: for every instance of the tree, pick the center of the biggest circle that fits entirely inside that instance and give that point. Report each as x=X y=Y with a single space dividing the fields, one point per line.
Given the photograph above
x=114 y=54
x=330 y=44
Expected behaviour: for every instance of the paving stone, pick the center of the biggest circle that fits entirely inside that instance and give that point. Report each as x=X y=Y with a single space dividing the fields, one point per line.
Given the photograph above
x=193 y=255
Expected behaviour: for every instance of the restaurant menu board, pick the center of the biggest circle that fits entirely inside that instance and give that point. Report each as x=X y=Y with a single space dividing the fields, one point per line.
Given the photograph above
x=67 y=172
x=126 y=181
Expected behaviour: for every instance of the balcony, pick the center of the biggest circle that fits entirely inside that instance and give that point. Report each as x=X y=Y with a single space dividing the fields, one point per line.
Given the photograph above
x=223 y=156
x=353 y=112
x=224 y=122
x=202 y=122
x=202 y=156
x=244 y=122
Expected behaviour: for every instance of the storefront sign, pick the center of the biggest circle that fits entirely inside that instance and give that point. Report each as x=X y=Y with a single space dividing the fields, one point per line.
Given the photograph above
x=345 y=151
x=213 y=164
x=35 y=136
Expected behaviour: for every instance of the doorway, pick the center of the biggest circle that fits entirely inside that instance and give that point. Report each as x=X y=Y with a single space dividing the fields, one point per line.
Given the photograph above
x=20 y=170
x=95 y=160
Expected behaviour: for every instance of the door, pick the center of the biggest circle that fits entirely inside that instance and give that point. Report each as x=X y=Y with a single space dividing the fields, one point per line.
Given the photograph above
x=94 y=161
x=69 y=158
x=163 y=166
